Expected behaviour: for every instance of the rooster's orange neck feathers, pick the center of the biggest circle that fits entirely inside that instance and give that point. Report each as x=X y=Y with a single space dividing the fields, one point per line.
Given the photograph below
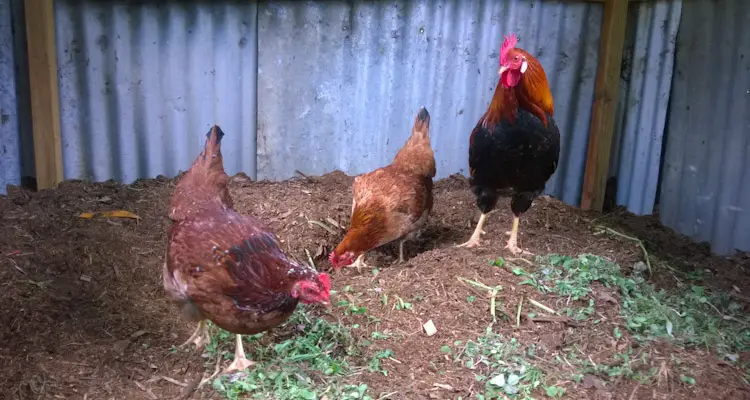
x=532 y=94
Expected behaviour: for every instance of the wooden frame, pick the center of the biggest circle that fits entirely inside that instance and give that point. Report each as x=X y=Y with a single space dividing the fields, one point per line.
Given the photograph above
x=45 y=106
x=601 y=131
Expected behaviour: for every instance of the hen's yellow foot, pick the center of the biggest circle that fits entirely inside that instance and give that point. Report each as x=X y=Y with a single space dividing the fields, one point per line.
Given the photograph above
x=200 y=337
x=359 y=263
x=239 y=365
x=240 y=362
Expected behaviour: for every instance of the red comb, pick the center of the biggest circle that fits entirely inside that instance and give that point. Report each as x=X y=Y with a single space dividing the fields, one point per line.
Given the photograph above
x=509 y=43
x=326 y=281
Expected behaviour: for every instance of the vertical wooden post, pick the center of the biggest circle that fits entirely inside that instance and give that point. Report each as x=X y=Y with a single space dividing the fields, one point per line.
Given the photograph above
x=607 y=83
x=45 y=106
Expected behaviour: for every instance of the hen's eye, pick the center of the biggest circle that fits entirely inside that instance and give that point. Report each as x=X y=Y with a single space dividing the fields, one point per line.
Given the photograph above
x=516 y=58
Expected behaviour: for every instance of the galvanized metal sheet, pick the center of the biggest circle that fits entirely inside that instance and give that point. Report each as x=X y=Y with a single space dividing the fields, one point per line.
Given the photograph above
x=340 y=83
x=10 y=154
x=142 y=82
x=705 y=191
x=646 y=80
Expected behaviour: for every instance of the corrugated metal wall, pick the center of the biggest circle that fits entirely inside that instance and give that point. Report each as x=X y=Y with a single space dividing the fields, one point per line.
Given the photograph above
x=339 y=83
x=141 y=83
x=706 y=176
x=10 y=160
x=645 y=83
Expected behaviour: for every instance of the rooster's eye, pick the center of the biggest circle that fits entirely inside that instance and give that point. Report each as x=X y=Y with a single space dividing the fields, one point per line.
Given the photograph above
x=516 y=58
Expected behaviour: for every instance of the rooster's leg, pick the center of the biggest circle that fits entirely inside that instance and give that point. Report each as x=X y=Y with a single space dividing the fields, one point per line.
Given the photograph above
x=474 y=239
x=200 y=337
x=513 y=240
x=240 y=362
x=359 y=263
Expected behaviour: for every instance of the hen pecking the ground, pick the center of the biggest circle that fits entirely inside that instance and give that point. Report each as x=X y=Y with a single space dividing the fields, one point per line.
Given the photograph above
x=226 y=267
x=391 y=203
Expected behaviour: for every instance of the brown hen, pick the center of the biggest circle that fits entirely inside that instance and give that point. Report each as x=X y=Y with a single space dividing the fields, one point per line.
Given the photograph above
x=226 y=267
x=393 y=202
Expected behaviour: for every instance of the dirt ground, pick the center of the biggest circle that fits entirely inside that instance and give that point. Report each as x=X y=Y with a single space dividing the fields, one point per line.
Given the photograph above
x=84 y=315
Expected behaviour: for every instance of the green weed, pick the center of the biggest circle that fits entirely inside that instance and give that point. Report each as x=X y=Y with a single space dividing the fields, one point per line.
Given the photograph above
x=502 y=366
x=690 y=316
x=311 y=364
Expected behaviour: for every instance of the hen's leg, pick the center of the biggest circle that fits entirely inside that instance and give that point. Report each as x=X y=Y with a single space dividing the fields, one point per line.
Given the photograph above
x=240 y=362
x=478 y=231
x=400 y=252
x=200 y=337
x=360 y=262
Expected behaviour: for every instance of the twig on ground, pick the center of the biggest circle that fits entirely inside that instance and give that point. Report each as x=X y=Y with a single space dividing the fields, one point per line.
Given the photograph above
x=309 y=258
x=542 y=306
x=635 y=239
x=216 y=372
x=298 y=172
x=518 y=312
x=322 y=225
x=493 y=295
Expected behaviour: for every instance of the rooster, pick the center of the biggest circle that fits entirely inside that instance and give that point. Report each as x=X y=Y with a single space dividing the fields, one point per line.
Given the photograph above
x=393 y=202
x=515 y=146
x=226 y=267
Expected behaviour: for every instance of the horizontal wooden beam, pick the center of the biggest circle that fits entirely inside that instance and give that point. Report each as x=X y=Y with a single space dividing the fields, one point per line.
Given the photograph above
x=607 y=84
x=45 y=104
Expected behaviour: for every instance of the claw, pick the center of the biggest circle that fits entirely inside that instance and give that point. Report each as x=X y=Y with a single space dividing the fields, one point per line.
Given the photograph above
x=470 y=244
x=240 y=362
x=359 y=263
x=517 y=250
x=200 y=337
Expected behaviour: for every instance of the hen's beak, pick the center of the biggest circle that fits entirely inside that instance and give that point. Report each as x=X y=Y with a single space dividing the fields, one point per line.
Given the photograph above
x=502 y=69
x=326 y=303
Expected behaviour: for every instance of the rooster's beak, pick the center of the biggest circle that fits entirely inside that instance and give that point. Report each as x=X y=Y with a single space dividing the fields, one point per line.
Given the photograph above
x=503 y=68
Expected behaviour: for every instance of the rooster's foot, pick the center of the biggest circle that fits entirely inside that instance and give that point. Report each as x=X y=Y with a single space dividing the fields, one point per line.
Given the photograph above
x=513 y=247
x=471 y=243
x=200 y=337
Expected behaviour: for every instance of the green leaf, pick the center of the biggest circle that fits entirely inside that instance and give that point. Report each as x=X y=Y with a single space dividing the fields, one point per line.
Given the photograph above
x=445 y=349
x=554 y=391
x=687 y=379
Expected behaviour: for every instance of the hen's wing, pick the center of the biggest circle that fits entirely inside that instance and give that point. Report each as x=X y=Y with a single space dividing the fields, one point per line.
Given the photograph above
x=230 y=260
x=404 y=199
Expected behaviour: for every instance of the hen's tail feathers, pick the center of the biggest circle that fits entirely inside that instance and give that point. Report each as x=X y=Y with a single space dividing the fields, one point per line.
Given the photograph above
x=422 y=122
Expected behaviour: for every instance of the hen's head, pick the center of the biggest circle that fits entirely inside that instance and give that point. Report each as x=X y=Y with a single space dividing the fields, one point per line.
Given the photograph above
x=315 y=290
x=513 y=62
x=341 y=260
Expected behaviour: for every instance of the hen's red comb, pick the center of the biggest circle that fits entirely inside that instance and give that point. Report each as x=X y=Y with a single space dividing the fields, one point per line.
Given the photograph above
x=509 y=43
x=331 y=256
x=325 y=279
